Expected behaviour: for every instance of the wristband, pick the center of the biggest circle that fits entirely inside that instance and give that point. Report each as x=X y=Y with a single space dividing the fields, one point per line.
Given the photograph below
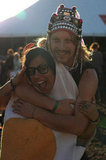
x=12 y=85
x=55 y=106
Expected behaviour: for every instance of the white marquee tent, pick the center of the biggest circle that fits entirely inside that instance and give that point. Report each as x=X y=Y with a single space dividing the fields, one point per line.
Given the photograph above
x=37 y=16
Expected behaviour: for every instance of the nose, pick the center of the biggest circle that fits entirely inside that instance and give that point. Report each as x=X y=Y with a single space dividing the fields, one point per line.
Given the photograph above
x=37 y=74
x=61 y=45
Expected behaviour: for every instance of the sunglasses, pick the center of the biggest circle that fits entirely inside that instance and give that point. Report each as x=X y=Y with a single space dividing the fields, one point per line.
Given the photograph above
x=42 y=69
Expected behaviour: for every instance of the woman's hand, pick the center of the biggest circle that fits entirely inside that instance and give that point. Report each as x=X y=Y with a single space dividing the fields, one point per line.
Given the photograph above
x=23 y=108
x=66 y=107
x=27 y=110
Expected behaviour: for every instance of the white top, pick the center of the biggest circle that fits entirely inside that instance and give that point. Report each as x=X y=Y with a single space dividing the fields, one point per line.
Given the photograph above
x=65 y=87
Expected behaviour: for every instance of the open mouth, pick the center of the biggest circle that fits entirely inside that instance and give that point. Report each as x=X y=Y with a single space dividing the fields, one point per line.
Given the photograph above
x=41 y=85
x=64 y=52
x=60 y=57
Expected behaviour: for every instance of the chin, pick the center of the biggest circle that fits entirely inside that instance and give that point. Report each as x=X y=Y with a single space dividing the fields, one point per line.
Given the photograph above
x=43 y=91
x=64 y=63
x=61 y=60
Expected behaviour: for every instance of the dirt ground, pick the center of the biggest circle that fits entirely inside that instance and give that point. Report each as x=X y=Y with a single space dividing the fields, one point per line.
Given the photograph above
x=97 y=149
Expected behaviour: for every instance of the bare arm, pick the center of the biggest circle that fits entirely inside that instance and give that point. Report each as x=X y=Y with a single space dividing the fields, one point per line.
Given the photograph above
x=7 y=87
x=85 y=93
x=90 y=111
x=88 y=85
x=7 y=90
x=87 y=89
x=5 y=94
x=72 y=124
x=65 y=123
x=27 y=93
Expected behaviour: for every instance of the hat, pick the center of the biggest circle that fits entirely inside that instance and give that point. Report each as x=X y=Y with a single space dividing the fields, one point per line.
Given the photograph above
x=66 y=18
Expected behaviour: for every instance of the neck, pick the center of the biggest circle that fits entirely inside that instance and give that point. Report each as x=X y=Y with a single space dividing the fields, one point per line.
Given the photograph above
x=70 y=62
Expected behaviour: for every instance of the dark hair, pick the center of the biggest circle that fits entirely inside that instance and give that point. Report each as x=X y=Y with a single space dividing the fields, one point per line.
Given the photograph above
x=44 y=54
x=3 y=73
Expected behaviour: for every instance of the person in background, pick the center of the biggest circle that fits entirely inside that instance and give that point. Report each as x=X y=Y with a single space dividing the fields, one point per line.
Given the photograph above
x=2 y=81
x=16 y=64
x=9 y=69
x=12 y=65
x=97 y=60
x=10 y=51
x=2 y=64
x=20 y=51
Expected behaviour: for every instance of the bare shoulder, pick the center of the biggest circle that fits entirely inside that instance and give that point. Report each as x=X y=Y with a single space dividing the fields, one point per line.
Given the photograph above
x=88 y=85
x=90 y=76
x=24 y=81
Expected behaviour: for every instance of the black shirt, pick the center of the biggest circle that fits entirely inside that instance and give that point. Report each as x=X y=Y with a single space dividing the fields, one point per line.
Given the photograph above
x=77 y=72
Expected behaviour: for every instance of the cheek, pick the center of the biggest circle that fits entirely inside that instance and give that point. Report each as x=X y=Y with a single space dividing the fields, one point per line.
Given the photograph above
x=70 y=46
x=54 y=44
x=52 y=48
x=51 y=80
x=32 y=78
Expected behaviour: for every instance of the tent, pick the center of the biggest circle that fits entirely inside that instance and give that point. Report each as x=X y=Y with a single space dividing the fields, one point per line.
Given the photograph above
x=36 y=18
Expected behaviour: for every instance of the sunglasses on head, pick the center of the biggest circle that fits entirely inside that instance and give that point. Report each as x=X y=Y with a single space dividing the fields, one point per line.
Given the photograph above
x=42 y=69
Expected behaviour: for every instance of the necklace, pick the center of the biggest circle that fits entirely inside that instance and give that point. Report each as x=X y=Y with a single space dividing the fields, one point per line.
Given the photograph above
x=71 y=68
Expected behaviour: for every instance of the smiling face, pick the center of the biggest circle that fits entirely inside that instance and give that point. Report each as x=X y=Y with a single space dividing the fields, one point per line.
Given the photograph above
x=62 y=45
x=41 y=75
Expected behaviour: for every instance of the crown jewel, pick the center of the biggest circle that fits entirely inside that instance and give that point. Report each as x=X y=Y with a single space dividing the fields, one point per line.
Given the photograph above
x=66 y=18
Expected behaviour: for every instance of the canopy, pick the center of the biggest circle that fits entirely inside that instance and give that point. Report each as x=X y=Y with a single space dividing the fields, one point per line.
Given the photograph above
x=34 y=20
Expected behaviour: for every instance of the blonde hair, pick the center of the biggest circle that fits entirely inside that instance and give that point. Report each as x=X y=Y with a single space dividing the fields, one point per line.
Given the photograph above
x=85 y=53
x=10 y=51
x=94 y=45
x=41 y=42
